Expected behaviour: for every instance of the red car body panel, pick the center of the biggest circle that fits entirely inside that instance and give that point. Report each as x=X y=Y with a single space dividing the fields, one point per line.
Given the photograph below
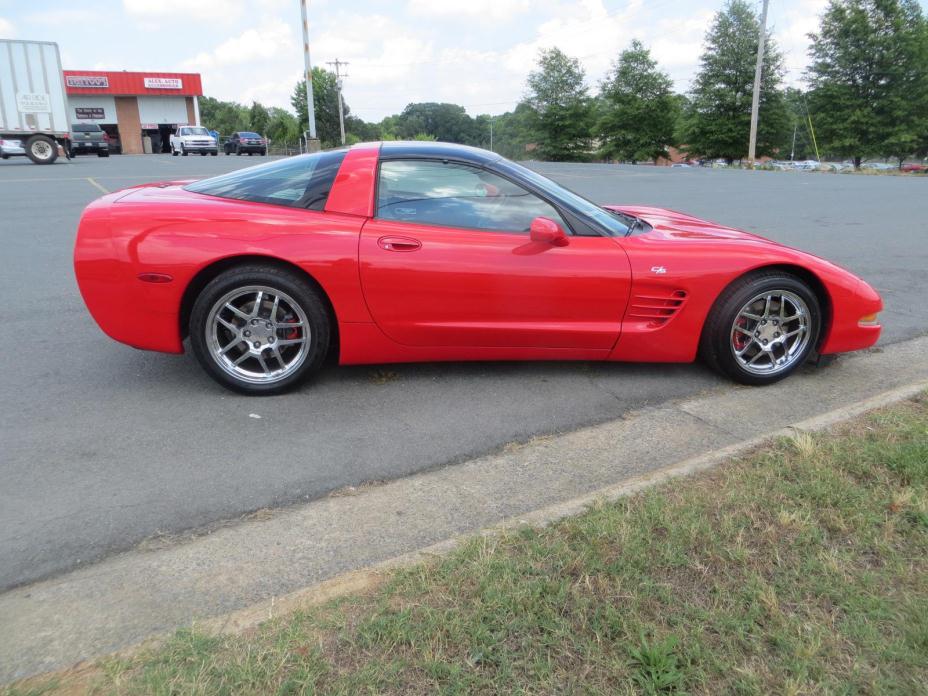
x=404 y=292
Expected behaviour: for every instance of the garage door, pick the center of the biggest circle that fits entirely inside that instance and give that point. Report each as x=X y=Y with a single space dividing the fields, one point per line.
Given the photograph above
x=162 y=110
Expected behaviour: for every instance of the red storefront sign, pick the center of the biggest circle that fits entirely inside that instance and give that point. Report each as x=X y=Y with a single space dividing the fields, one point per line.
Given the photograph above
x=119 y=83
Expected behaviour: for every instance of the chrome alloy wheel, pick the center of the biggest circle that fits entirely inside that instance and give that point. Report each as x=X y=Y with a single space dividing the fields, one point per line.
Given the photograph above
x=258 y=334
x=771 y=332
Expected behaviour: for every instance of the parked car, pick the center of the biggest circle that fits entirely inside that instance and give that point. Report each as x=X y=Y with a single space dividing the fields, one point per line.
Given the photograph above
x=429 y=251
x=88 y=138
x=809 y=165
x=878 y=166
x=245 y=141
x=914 y=167
x=680 y=165
x=11 y=148
x=193 y=139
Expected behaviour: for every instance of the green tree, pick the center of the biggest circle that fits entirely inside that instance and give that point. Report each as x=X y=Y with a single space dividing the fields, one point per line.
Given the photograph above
x=325 y=101
x=448 y=123
x=719 y=119
x=258 y=118
x=562 y=109
x=282 y=127
x=223 y=116
x=638 y=110
x=869 y=78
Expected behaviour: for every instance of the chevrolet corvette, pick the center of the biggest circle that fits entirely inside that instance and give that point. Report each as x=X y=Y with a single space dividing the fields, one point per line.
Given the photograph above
x=403 y=252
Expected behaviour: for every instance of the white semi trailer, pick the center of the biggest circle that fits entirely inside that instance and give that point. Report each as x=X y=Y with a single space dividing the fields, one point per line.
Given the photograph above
x=33 y=102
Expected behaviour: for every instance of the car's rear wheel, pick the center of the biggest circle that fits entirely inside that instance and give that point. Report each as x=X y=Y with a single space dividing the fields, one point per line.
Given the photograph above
x=762 y=328
x=259 y=329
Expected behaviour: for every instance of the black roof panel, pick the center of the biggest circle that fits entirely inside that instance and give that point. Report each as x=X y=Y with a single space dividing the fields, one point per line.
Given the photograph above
x=403 y=149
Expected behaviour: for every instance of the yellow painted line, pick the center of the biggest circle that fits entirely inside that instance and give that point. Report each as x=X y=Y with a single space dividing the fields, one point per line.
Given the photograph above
x=94 y=182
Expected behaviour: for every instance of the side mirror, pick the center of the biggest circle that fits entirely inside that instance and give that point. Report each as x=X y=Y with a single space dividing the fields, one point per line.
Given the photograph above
x=548 y=231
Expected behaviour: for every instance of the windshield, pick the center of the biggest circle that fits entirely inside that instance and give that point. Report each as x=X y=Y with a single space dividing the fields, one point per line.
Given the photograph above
x=612 y=223
x=194 y=131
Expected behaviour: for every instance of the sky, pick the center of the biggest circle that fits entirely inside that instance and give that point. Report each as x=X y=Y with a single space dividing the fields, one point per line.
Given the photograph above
x=476 y=53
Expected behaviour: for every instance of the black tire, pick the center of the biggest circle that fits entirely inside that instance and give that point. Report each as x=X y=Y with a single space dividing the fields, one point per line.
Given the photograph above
x=202 y=154
x=183 y=152
x=302 y=292
x=250 y=153
x=716 y=347
x=103 y=154
x=214 y=153
x=173 y=151
x=41 y=149
x=264 y=152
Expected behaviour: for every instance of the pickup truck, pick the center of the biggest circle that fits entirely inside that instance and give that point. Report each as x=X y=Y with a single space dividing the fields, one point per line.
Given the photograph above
x=88 y=137
x=193 y=139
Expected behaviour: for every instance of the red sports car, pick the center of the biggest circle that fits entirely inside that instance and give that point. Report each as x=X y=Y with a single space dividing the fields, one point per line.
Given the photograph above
x=401 y=252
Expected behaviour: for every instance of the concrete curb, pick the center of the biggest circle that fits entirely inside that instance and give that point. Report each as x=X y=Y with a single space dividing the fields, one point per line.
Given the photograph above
x=236 y=577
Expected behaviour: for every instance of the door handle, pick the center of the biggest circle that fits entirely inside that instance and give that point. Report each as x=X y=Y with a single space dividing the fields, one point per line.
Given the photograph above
x=399 y=243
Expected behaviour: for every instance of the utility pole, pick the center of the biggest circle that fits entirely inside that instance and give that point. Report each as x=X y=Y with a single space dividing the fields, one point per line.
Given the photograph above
x=491 y=134
x=312 y=142
x=792 y=150
x=758 y=72
x=338 y=83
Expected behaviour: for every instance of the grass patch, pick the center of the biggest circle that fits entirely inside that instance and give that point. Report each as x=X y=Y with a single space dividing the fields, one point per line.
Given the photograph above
x=801 y=568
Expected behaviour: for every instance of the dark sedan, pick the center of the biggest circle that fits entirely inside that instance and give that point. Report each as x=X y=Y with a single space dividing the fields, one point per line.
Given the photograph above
x=245 y=142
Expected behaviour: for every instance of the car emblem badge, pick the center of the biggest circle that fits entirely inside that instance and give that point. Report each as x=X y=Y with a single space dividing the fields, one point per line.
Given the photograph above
x=658 y=269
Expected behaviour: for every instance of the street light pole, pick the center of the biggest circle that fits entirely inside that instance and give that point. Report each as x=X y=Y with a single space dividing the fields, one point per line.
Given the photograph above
x=758 y=72
x=312 y=142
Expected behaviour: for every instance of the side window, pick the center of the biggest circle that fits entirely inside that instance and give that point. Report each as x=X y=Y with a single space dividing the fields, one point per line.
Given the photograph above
x=456 y=195
x=300 y=182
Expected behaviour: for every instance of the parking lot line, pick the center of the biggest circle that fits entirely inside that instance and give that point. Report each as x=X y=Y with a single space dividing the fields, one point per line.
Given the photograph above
x=96 y=183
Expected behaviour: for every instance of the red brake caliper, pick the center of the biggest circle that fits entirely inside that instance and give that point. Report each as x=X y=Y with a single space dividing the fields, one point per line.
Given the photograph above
x=740 y=339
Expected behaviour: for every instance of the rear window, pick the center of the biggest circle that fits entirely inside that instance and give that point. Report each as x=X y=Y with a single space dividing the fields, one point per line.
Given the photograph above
x=249 y=135
x=85 y=128
x=300 y=182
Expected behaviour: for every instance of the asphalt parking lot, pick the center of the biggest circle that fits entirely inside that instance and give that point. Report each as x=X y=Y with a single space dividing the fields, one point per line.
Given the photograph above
x=104 y=446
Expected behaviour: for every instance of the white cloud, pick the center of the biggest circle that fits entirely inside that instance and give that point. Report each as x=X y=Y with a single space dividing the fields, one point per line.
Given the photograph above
x=7 y=30
x=214 y=10
x=490 y=10
x=57 y=17
x=792 y=36
x=267 y=42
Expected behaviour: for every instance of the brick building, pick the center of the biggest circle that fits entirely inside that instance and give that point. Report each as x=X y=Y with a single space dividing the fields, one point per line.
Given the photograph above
x=130 y=105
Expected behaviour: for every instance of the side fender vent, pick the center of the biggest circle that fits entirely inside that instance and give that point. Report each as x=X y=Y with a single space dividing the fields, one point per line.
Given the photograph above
x=656 y=308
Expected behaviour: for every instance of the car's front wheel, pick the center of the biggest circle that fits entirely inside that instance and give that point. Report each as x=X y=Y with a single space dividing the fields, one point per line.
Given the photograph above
x=259 y=329
x=762 y=328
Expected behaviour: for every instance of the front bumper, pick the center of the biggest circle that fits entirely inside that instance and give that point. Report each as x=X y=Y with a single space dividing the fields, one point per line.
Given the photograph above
x=200 y=147
x=847 y=332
